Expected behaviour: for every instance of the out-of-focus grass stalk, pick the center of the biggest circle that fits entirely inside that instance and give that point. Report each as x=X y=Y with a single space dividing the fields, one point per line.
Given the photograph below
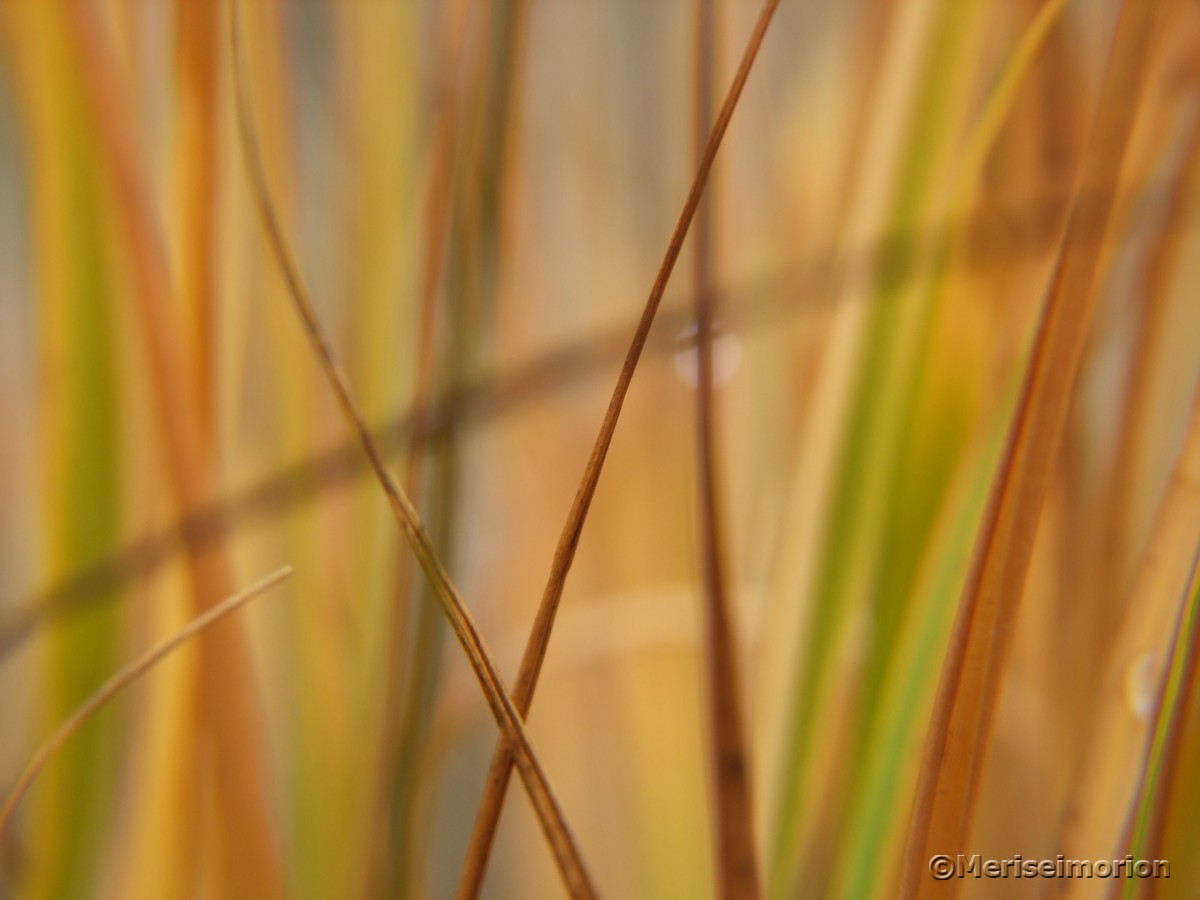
x=1168 y=819
x=321 y=785
x=158 y=849
x=884 y=774
x=1136 y=662
x=941 y=429
x=1171 y=707
x=464 y=221
x=376 y=40
x=416 y=631
x=941 y=397
x=197 y=133
x=249 y=851
x=857 y=531
x=1170 y=814
x=1131 y=491
x=963 y=711
x=737 y=863
x=81 y=437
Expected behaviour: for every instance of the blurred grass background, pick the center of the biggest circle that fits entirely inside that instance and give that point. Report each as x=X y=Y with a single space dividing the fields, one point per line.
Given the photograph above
x=470 y=188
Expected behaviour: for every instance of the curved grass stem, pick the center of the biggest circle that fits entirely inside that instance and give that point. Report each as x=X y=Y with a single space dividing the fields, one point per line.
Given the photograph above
x=550 y=814
x=122 y=679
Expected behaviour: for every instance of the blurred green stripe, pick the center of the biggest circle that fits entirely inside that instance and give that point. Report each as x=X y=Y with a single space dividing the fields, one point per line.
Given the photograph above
x=84 y=515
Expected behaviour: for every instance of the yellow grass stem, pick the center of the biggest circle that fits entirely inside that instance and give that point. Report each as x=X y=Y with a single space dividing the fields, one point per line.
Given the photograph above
x=122 y=679
x=229 y=704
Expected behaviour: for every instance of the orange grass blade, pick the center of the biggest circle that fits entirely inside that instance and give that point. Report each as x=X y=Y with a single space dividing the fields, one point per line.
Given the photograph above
x=966 y=698
x=733 y=819
x=229 y=707
x=1138 y=654
x=122 y=679
x=199 y=40
x=475 y=866
x=549 y=812
x=1178 y=55
x=1176 y=783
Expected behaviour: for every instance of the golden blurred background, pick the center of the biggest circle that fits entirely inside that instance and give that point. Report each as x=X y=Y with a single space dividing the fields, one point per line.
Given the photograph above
x=478 y=196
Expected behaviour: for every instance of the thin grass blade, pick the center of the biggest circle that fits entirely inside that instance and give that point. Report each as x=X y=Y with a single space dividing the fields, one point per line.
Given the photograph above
x=948 y=785
x=550 y=815
x=123 y=679
x=475 y=865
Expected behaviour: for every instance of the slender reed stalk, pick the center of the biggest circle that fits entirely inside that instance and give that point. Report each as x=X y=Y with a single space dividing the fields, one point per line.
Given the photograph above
x=122 y=679
x=966 y=697
x=558 y=834
x=395 y=712
x=475 y=865
x=737 y=865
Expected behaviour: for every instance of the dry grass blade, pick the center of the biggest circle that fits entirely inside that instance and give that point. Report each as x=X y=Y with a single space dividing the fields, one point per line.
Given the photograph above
x=1139 y=652
x=123 y=679
x=229 y=706
x=438 y=210
x=475 y=866
x=1180 y=55
x=1181 y=721
x=965 y=702
x=737 y=867
x=199 y=30
x=546 y=805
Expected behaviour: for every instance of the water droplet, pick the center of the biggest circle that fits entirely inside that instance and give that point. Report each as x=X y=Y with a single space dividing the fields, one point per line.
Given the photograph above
x=1139 y=684
x=727 y=356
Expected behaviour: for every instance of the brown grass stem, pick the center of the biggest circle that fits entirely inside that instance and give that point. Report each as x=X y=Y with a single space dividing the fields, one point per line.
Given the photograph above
x=964 y=706
x=483 y=834
x=733 y=820
x=549 y=812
